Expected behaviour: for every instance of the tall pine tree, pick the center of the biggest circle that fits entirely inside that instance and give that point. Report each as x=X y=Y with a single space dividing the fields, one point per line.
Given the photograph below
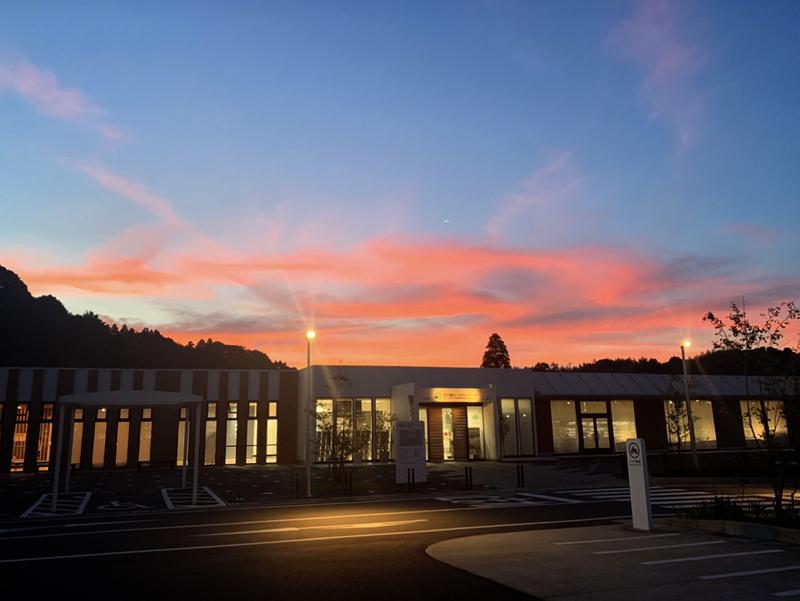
x=496 y=354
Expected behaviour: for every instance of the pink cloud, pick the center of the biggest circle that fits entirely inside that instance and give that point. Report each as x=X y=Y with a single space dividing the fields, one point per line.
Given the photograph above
x=654 y=39
x=406 y=299
x=41 y=88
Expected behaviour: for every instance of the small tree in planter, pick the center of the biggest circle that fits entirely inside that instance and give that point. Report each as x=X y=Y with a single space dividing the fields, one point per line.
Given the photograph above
x=384 y=425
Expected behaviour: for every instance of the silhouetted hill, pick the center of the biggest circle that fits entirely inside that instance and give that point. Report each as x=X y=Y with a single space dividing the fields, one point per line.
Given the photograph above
x=39 y=331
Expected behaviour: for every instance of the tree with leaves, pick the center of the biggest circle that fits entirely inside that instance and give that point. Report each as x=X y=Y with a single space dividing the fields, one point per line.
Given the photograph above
x=496 y=354
x=748 y=340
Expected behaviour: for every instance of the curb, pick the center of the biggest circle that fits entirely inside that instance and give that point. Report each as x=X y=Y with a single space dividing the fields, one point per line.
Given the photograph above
x=741 y=529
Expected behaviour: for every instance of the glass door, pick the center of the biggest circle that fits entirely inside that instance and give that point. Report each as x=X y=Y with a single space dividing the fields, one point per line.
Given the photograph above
x=447 y=433
x=595 y=429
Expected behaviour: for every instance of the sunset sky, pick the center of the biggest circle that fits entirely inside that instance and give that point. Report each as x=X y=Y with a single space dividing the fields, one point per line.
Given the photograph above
x=585 y=178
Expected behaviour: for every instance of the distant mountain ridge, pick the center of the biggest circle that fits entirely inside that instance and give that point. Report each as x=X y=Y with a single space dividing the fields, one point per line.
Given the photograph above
x=39 y=331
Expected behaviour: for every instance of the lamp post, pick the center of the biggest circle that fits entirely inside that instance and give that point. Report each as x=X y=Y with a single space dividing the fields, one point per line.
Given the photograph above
x=310 y=335
x=684 y=345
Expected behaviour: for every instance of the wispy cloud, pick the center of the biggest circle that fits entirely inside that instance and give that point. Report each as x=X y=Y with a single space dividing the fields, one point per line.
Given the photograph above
x=41 y=88
x=134 y=192
x=540 y=198
x=654 y=38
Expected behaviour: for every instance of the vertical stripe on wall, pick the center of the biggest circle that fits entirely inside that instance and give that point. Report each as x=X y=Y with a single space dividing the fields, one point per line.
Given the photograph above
x=25 y=386
x=149 y=380
x=50 y=386
x=104 y=380
x=253 y=385
x=186 y=381
x=274 y=383
x=212 y=392
x=3 y=385
x=126 y=379
x=81 y=381
x=233 y=386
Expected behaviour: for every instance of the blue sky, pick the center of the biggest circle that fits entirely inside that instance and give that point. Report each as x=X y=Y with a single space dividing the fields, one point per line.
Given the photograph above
x=209 y=168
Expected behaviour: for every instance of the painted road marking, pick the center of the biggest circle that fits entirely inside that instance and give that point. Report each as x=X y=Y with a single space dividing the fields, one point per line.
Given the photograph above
x=749 y=573
x=248 y=522
x=794 y=593
x=67 y=504
x=702 y=557
x=613 y=540
x=321 y=527
x=287 y=541
x=637 y=549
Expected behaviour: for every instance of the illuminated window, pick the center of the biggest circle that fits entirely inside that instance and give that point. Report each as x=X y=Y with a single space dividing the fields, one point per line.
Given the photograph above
x=183 y=427
x=678 y=424
x=45 y=437
x=343 y=438
x=20 y=438
x=565 y=426
x=516 y=427
x=623 y=421
x=145 y=435
x=210 y=457
x=77 y=437
x=231 y=432
x=764 y=422
x=123 y=435
x=475 y=432
x=363 y=433
x=383 y=429
x=252 y=433
x=99 y=443
x=272 y=440
x=273 y=409
x=324 y=430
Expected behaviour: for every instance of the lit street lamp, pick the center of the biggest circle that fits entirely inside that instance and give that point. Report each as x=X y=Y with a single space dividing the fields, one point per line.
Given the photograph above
x=310 y=335
x=684 y=345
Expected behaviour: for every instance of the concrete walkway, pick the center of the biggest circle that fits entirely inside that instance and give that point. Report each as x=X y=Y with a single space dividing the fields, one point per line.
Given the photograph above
x=616 y=563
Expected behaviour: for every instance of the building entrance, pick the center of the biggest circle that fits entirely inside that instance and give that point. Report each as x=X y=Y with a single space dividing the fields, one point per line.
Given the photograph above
x=453 y=433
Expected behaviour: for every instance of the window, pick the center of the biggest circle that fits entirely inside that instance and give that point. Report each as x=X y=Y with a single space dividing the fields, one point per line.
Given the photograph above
x=754 y=419
x=210 y=456
x=383 y=429
x=363 y=441
x=252 y=432
x=474 y=433
x=508 y=427
x=145 y=435
x=565 y=427
x=324 y=431
x=99 y=442
x=423 y=417
x=343 y=437
x=231 y=431
x=525 y=416
x=273 y=409
x=123 y=435
x=272 y=441
x=20 y=438
x=45 y=437
x=516 y=427
x=623 y=421
x=678 y=424
x=77 y=437
x=183 y=436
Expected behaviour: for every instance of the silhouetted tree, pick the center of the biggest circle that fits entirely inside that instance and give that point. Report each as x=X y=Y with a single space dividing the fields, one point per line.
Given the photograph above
x=496 y=354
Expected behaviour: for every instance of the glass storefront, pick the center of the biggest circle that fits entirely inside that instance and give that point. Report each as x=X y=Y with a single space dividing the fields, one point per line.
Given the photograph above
x=447 y=434
x=348 y=429
x=677 y=419
x=475 y=432
x=760 y=422
x=623 y=420
x=517 y=427
x=565 y=427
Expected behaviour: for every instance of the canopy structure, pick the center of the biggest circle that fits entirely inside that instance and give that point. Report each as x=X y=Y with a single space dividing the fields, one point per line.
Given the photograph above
x=125 y=398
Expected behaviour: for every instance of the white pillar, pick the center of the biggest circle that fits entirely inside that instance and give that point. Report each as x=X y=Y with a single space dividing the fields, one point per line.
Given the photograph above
x=57 y=470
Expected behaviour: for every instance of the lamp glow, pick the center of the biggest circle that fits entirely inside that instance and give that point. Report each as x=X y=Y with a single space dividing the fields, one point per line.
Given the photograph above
x=311 y=334
x=686 y=343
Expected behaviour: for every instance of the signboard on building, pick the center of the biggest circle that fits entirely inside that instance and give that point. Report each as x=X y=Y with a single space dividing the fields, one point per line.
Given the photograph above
x=410 y=452
x=639 y=482
x=454 y=395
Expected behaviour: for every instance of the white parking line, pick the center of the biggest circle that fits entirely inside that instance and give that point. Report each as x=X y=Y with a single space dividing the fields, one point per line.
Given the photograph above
x=637 y=549
x=749 y=573
x=794 y=593
x=702 y=557
x=613 y=540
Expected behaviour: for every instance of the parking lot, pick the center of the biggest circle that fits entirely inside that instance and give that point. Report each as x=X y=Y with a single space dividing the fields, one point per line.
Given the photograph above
x=607 y=563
